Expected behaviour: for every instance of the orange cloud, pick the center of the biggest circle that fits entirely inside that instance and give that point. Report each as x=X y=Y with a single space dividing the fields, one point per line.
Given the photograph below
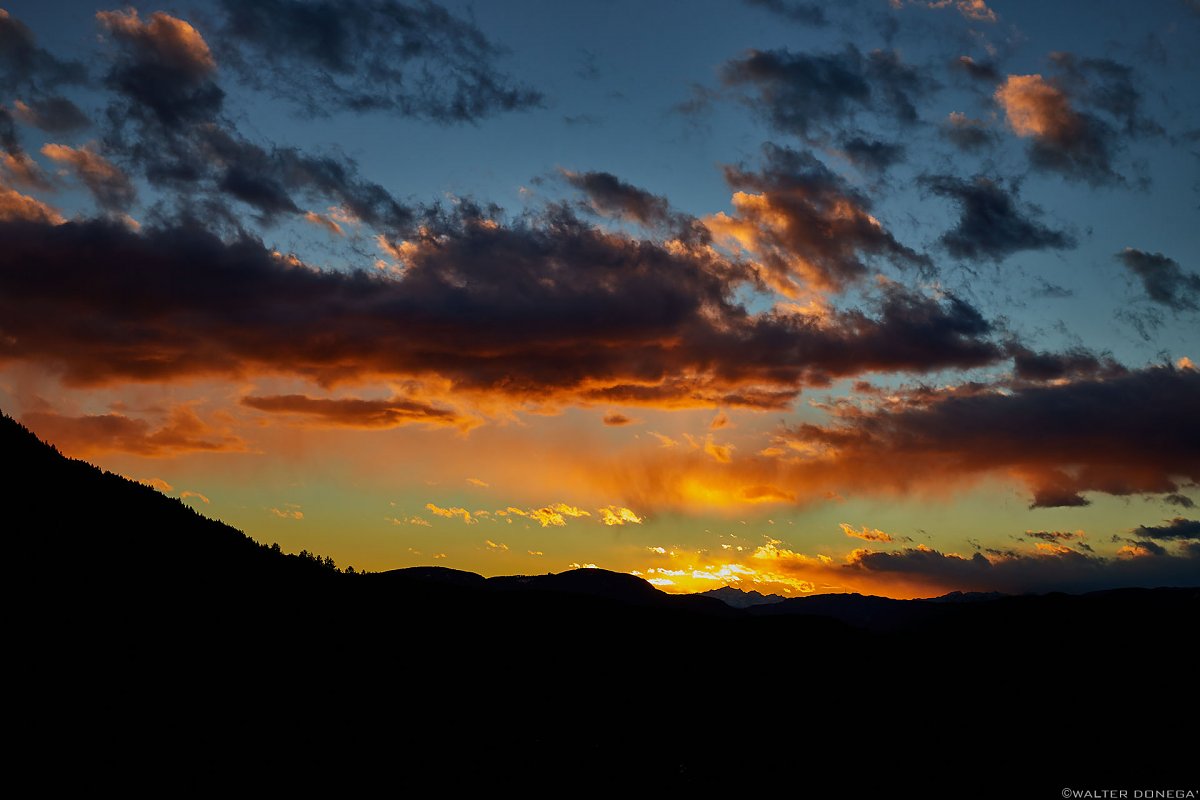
x=174 y=42
x=23 y=171
x=555 y=515
x=867 y=534
x=452 y=513
x=616 y=419
x=1036 y=108
x=157 y=483
x=722 y=453
x=322 y=221
x=498 y=546
x=17 y=207
x=618 y=515
x=182 y=432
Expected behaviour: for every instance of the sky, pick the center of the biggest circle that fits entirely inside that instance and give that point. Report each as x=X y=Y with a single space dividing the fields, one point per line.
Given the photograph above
x=898 y=297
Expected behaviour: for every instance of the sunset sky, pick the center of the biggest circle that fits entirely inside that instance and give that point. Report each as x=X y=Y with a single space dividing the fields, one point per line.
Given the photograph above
x=890 y=296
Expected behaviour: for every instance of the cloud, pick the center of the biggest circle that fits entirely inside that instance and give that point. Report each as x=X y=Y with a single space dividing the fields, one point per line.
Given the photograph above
x=803 y=94
x=980 y=71
x=573 y=315
x=163 y=66
x=974 y=10
x=803 y=13
x=992 y=225
x=167 y=40
x=721 y=453
x=1123 y=434
x=186 y=493
x=1056 y=536
x=107 y=183
x=923 y=572
x=17 y=207
x=1076 y=363
x=1164 y=280
x=1077 y=120
x=619 y=515
x=865 y=533
x=554 y=515
x=157 y=483
x=356 y=413
x=609 y=196
x=721 y=420
x=616 y=419
x=27 y=67
x=52 y=114
x=497 y=546
x=454 y=512
x=808 y=229
x=1058 y=569
x=182 y=432
x=1181 y=500
x=412 y=59
x=871 y=155
x=322 y=221
x=1177 y=529
x=291 y=512
x=477 y=482
x=967 y=134
x=420 y=522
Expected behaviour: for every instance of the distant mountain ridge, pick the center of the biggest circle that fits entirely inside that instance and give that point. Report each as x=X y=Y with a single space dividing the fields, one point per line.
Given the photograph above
x=740 y=598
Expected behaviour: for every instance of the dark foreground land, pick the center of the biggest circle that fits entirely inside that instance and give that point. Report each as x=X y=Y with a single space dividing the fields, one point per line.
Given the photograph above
x=150 y=646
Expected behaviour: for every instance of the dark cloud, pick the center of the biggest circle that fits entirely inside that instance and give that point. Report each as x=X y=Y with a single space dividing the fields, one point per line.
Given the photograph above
x=168 y=125
x=1130 y=433
x=617 y=420
x=992 y=224
x=1181 y=500
x=980 y=71
x=1051 y=290
x=548 y=310
x=872 y=155
x=803 y=13
x=416 y=59
x=1172 y=530
x=806 y=226
x=1055 y=536
x=1164 y=280
x=1029 y=365
x=53 y=114
x=164 y=68
x=800 y=93
x=797 y=90
x=1108 y=86
x=612 y=197
x=25 y=67
x=354 y=412
x=967 y=134
x=1063 y=570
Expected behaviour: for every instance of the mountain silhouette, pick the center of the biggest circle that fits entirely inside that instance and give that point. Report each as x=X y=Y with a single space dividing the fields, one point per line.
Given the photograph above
x=739 y=598
x=147 y=642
